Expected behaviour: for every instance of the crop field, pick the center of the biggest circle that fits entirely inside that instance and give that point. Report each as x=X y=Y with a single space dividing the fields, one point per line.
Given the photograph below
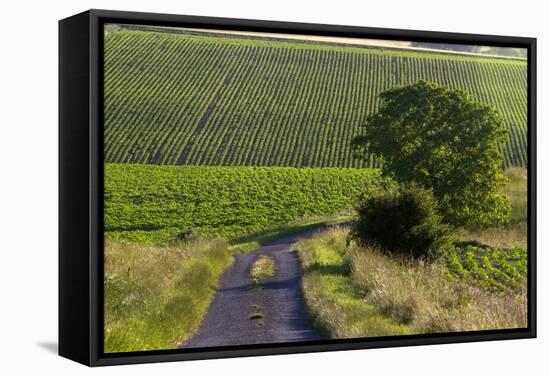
x=178 y=99
x=491 y=268
x=150 y=204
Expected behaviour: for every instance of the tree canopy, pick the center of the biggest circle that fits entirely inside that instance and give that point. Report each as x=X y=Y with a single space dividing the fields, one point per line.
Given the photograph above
x=445 y=141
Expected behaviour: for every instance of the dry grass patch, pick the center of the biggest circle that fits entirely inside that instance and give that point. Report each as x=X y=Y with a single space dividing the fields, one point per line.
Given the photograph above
x=263 y=267
x=354 y=292
x=516 y=190
x=336 y=307
x=505 y=236
x=424 y=297
x=155 y=297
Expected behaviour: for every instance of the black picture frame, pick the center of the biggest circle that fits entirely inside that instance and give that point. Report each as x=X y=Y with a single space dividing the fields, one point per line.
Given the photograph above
x=81 y=186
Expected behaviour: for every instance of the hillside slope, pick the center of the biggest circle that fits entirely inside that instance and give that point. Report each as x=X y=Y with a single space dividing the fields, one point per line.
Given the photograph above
x=182 y=99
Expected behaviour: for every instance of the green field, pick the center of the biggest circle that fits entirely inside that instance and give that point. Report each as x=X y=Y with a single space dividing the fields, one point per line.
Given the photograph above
x=491 y=268
x=178 y=99
x=150 y=204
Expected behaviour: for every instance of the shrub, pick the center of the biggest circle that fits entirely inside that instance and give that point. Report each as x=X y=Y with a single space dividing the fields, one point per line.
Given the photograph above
x=186 y=235
x=401 y=219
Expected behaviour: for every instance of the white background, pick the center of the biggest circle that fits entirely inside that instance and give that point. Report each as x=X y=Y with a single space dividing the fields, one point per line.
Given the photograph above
x=28 y=185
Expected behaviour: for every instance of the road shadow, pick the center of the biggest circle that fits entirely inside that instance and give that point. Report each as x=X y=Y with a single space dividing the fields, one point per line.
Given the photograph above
x=51 y=347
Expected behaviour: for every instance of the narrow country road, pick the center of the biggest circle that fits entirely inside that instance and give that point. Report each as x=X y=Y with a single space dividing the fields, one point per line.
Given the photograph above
x=270 y=312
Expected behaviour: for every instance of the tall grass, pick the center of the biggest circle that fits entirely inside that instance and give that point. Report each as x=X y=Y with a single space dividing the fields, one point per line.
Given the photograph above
x=155 y=297
x=353 y=292
x=422 y=296
x=516 y=190
x=504 y=236
x=337 y=308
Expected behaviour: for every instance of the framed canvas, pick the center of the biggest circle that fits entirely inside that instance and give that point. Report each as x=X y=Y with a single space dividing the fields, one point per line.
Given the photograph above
x=234 y=187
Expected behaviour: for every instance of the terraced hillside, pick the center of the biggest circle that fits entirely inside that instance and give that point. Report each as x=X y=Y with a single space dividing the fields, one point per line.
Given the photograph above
x=181 y=99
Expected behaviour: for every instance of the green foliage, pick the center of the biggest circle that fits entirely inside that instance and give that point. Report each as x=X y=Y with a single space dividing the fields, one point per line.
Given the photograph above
x=186 y=235
x=443 y=140
x=426 y=297
x=402 y=219
x=492 y=268
x=202 y=100
x=151 y=204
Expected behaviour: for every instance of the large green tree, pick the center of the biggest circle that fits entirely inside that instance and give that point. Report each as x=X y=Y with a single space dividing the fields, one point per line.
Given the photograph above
x=443 y=140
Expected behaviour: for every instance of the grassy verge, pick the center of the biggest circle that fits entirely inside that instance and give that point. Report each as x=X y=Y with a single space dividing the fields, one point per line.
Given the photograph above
x=356 y=292
x=493 y=269
x=155 y=297
x=337 y=308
